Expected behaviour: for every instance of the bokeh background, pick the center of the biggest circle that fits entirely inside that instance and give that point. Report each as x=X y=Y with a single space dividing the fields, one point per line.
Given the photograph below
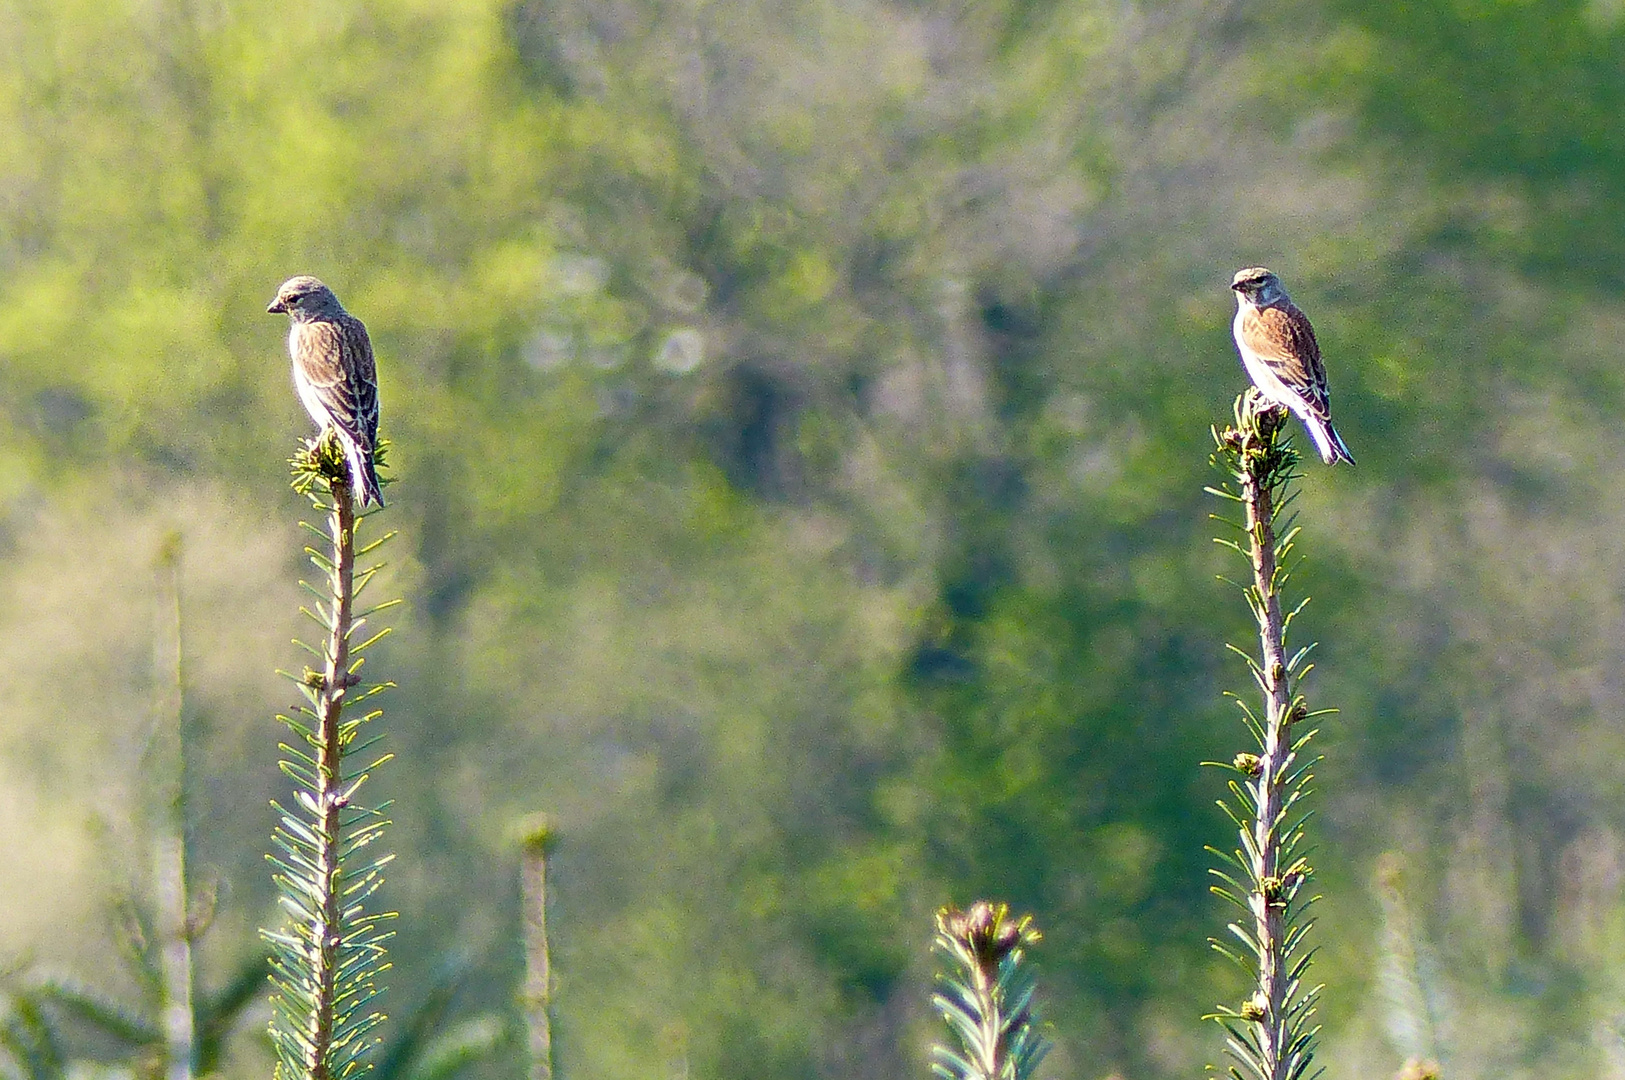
x=800 y=414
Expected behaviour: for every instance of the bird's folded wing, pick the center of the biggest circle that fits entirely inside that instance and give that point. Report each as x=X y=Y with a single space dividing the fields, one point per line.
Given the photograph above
x=1282 y=339
x=336 y=362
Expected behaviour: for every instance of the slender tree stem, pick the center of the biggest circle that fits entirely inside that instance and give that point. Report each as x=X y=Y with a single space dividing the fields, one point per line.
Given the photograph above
x=1269 y=786
x=336 y=681
x=169 y=847
x=1272 y=1034
x=326 y=962
x=169 y=870
x=538 y=991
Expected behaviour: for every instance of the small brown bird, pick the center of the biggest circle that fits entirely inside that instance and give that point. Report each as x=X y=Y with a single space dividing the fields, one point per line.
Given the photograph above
x=1279 y=351
x=334 y=373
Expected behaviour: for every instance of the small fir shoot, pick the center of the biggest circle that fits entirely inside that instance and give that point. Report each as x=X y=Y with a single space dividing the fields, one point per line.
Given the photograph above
x=327 y=957
x=987 y=995
x=1271 y=1034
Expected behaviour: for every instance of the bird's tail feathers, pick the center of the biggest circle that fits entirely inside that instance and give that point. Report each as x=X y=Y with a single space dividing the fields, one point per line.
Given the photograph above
x=1330 y=444
x=363 y=476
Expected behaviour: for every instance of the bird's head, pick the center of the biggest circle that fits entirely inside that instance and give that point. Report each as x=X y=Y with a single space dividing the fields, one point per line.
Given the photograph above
x=304 y=295
x=1258 y=285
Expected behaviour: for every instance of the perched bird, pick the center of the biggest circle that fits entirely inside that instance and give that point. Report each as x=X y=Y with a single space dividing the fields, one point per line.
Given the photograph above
x=334 y=373
x=1279 y=351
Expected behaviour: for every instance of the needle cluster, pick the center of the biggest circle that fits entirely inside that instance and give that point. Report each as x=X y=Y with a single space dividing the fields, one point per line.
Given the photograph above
x=987 y=995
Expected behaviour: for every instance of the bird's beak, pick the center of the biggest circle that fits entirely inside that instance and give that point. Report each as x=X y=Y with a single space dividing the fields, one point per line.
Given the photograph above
x=276 y=307
x=1236 y=286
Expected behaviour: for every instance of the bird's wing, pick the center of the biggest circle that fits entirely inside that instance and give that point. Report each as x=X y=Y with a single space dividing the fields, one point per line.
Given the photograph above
x=335 y=359
x=1282 y=339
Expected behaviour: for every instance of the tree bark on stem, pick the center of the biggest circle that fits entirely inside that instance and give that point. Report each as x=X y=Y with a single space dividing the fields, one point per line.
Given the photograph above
x=336 y=680
x=171 y=893
x=538 y=991
x=324 y=965
x=1272 y=1035
x=1268 y=787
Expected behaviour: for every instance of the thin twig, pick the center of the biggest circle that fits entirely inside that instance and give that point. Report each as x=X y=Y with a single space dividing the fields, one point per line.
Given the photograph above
x=324 y=966
x=174 y=932
x=336 y=681
x=1271 y=1035
x=538 y=991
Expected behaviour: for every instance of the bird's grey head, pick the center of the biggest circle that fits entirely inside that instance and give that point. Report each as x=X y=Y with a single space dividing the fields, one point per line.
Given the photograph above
x=305 y=297
x=1259 y=285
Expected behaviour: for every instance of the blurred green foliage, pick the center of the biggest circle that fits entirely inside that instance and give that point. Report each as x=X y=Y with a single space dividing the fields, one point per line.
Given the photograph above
x=801 y=412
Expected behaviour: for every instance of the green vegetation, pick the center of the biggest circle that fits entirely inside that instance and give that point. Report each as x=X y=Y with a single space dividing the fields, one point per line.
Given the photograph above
x=1272 y=1034
x=330 y=950
x=987 y=996
x=800 y=411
